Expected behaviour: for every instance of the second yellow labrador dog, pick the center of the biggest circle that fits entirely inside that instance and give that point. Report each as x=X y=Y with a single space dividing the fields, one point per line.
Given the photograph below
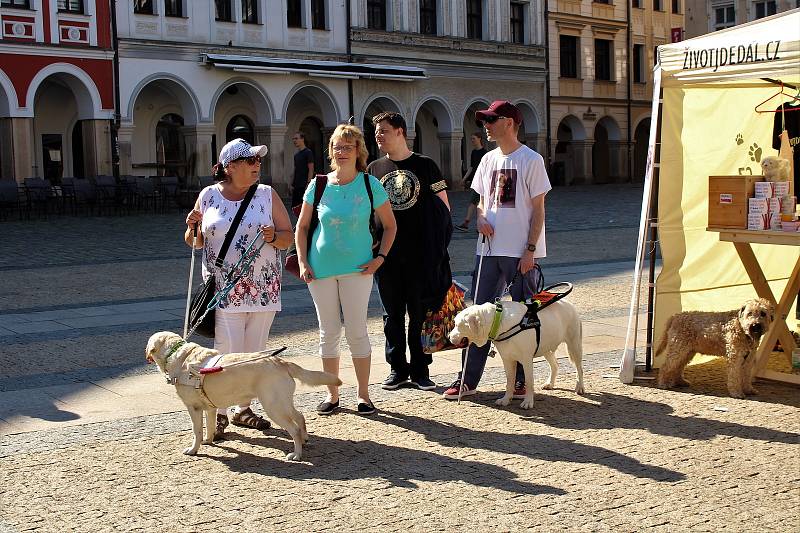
x=244 y=376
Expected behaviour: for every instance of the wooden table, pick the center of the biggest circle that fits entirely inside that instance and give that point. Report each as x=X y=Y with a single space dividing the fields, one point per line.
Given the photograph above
x=742 y=239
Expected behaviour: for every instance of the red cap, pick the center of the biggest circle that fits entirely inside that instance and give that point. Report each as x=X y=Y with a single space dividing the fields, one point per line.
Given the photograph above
x=500 y=108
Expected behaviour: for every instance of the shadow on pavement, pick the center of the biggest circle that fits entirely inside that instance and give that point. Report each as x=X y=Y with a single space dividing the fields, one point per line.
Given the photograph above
x=345 y=460
x=542 y=447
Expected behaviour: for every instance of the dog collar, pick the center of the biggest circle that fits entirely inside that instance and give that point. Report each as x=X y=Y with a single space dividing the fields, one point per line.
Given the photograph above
x=174 y=349
x=496 y=319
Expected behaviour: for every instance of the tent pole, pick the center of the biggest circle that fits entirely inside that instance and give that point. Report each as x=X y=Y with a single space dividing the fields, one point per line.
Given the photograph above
x=652 y=220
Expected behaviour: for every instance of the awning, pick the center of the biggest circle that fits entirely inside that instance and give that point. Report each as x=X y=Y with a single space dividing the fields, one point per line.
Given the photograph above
x=321 y=69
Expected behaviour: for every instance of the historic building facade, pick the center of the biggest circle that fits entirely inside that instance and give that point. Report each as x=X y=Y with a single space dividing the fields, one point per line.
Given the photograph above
x=56 y=88
x=601 y=59
x=195 y=74
x=704 y=16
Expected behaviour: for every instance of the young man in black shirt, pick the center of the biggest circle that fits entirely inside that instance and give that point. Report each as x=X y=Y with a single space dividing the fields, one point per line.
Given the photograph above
x=417 y=267
x=303 y=168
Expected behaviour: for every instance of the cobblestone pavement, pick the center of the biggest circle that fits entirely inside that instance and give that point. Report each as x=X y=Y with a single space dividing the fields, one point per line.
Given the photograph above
x=81 y=295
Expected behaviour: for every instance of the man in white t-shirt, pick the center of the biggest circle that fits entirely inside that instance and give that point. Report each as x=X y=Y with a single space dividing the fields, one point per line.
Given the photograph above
x=512 y=183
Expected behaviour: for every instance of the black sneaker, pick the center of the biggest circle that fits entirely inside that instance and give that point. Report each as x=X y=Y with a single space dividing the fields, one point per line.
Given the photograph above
x=393 y=381
x=423 y=383
x=463 y=227
x=328 y=408
x=366 y=408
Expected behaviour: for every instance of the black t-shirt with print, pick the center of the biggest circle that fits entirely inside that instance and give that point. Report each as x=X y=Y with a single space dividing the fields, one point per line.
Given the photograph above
x=409 y=183
x=791 y=119
x=301 y=160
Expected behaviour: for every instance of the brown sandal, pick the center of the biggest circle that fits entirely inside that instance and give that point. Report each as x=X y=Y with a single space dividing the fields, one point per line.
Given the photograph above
x=222 y=423
x=248 y=419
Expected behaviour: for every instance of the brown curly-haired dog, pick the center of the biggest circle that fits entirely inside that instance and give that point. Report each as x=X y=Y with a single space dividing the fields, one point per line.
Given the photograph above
x=730 y=334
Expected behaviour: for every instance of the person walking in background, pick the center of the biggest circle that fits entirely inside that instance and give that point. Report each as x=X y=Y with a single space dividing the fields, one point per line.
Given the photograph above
x=475 y=156
x=244 y=316
x=338 y=262
x=417 y=274
x=512 y=183
x=303 y=169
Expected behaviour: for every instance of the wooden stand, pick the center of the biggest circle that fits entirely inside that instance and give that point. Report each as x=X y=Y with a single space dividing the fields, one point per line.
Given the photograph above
x=742 y=239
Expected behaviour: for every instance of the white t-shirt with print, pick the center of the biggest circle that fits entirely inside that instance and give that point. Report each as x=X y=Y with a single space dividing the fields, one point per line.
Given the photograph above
x=507 y=183
x=259 y=289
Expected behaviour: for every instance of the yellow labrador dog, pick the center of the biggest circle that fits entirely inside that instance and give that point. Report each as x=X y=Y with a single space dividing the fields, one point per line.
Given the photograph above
x=560 y=323
x=244 y=376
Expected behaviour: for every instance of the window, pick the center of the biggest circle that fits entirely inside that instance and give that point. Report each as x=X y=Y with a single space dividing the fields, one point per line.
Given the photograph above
x=294 y=13
x=602 y=58
x=636 y=3
x=764 y=9
x=318 y=14
x=517 y=22
x=657 y=6
x=427 y=17
x=376 y=14
x=19 y=4
x=143 y=7
x=250 y=11
x=569 y=56
x=173 y=8
x=240 y=127
x=676 y=7
x=724 y=17
x=475 y=19
x=602 y=2
x=638 y=63
x=224 y=11
x=70 y=6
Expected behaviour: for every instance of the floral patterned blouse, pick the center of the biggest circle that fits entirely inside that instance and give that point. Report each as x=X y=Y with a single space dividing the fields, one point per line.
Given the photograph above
x=259 y=289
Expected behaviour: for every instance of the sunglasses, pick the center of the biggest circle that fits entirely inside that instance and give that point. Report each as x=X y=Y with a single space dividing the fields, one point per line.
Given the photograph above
x=491 y=119
x=251 y=160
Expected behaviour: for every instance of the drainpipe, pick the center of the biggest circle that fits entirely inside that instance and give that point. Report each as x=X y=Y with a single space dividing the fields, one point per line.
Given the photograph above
x=348 y=23
x=628 y=40
x=548 y=141
x=116 y=122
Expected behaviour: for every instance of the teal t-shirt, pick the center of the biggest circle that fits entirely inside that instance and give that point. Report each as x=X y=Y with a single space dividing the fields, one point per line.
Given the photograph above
x=342 y=240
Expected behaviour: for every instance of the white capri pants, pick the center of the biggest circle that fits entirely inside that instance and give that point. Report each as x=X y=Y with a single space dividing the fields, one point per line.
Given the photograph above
x=242 y=332
x=337 y=297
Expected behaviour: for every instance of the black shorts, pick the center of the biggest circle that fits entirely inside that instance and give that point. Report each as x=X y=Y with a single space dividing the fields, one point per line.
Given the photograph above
x=474 y=197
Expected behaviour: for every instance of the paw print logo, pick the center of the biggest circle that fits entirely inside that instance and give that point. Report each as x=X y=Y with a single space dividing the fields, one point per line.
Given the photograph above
x=755 y=153
x=739 y=139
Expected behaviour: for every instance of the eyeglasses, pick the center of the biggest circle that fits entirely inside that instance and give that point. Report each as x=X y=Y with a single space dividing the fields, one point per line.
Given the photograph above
x=344 y=148
x=251 y=160
x=491 y=119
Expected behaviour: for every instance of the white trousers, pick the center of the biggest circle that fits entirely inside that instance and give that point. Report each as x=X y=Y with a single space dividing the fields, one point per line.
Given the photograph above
x=337 y=297
x=241 y=332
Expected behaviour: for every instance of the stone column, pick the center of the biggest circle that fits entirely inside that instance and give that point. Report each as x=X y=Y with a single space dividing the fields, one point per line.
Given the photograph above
x=197 y=140
x=124 y=138
x=410 y=136
x=579 y=163
x=97 y=147
x=450 y=156
x=617 y=161
x=276 y=139
x=17 y=155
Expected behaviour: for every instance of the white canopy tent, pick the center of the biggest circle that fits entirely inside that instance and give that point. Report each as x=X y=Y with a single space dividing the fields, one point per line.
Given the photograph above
x=704 y=123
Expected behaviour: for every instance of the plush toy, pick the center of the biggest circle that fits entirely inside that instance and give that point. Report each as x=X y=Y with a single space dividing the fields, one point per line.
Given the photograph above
x=776 y=168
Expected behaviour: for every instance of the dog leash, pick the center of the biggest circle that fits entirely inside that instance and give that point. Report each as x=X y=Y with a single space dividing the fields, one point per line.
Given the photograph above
x=189 y=291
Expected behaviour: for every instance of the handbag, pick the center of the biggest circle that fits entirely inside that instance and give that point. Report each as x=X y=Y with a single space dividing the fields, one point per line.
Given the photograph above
x=439 y=323
x=201 y=300
x=291 y=263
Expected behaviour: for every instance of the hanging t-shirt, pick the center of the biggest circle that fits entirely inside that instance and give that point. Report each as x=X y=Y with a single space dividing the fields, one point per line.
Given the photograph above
x=259 y=289
x=407 y=182
x=788 y=117
x=507 y=183
x=342 y=241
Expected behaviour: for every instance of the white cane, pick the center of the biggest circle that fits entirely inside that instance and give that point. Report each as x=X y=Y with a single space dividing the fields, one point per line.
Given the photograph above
x=474 y=301
x=189 y=291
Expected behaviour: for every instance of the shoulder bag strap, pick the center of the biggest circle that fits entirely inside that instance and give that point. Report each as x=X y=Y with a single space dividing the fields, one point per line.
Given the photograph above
x=235 y=224
x=319 y=189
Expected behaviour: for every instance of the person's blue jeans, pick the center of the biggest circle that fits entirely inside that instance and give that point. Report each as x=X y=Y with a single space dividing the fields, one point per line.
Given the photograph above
x=496 y=274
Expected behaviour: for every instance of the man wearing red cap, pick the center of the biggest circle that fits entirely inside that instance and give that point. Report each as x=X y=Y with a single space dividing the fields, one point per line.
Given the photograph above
x=512 y=183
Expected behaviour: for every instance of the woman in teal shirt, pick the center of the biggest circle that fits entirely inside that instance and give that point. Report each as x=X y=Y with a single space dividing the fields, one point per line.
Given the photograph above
x=338 y=262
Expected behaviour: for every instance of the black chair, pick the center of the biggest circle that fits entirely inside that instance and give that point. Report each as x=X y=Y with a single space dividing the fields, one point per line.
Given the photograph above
x=85 y=195
x=205 y=181
x=9 y=198
x=38 y=196
x=126 y=194
x=68 y=198
x=106 y=187
x=147 y=194
x=168 y=188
